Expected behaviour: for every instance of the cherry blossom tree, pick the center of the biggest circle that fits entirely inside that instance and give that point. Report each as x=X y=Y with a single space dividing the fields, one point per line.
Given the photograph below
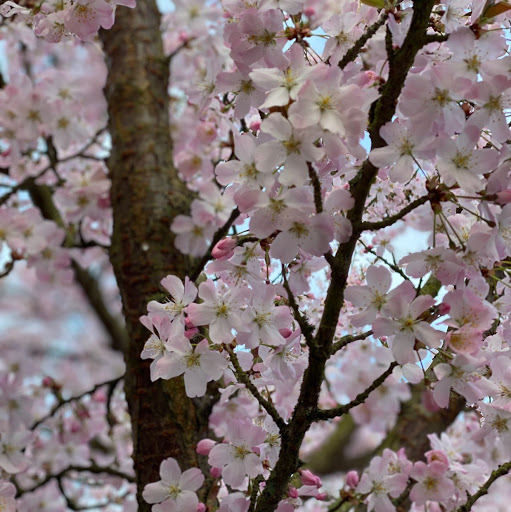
x=255 y=255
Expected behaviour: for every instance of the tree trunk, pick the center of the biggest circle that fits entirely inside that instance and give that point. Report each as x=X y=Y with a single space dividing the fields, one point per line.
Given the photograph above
x=146 y=195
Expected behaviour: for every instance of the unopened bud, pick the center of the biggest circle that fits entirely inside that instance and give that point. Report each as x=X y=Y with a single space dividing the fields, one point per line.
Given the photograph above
x=215 y=472
x=308 y=478
x=443 y=309
x=352 y=479
x=504 y=197
x=292 y=492
x=224 y=249
x=204 y=446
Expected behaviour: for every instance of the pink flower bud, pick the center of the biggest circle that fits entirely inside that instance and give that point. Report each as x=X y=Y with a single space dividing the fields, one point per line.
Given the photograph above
x=103 y=202
x=439 y=456
x=48 y=382
x=443 y=309
x=215 y=472
x=183 y=36
x=255 y=125
x=190 y=333
x=224 y=249
x=309 y=11
x=352 y=479
x=201 y=507
x=285 y=333
x=504 y=197
x=99 y=397
x=75 y=427
x=309 y=478
x=190 y=329
x=321 y=496
x=204 y=446
x=292 y=492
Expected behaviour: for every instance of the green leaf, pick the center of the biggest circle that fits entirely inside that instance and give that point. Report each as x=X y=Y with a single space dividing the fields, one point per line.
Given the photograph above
x=380 y=4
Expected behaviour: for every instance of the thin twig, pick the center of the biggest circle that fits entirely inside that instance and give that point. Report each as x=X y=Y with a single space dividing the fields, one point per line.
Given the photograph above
x=353 y=52
x=349 y=338
x=318 y=201
x=305 y=327
x=392 y=266
x=93 y=468
x=373 y=226
x=502 y=470
x=359 y=399
x=110 y=383
x=245 y=379
x=216 y=238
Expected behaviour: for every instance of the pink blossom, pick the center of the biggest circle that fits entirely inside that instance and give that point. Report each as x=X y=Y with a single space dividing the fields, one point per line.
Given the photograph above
x=462 y=375
x=199 y=364
x=292 y=149
x=182 y=296
x=86 y=16
x=263 y=320
x=432 y=482
x=370 y=298
x=334 y=107
x=402 y=318
x=237 y=458
x=175 y=489
x=282 y=86
x=220 y=310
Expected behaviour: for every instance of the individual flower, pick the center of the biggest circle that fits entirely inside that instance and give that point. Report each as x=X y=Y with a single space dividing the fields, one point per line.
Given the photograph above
x=386 y=476
x=12 y=445
x=86 y=16
x=175 y=491
x=263 y=319
x=324 y=102
x=403 y=148
x=462 y=375
x=459 y=163
x=220 y=311
x=433 y=484
x=282 y=85
x=237 y=458
x=182 y=295
x=199 y=364
x=291 y=148
x=403 y=320
x=371 y=298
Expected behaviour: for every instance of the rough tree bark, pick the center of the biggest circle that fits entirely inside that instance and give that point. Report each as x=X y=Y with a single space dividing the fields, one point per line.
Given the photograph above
x=146 y=195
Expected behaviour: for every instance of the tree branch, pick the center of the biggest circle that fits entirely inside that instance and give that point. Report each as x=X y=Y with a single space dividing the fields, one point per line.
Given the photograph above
x=373 y=226
x=93 y=468
x=216 y=238
x=383 y=111
x=349 y=338
x=502 y=470
x=110 y=383
x=353 y=52
x=359 y=399
x=318 y=201
x=305 y=327
x=245 y=379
